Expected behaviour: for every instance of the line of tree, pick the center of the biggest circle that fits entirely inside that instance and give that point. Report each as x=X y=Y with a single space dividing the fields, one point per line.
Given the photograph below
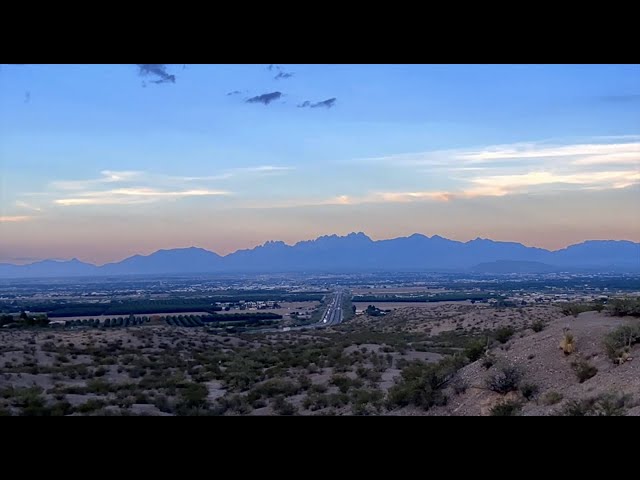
x=444 y=297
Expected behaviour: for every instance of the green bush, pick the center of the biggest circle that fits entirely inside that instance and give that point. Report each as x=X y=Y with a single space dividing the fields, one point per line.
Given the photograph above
x=421 y=383
x=99 y=387
x=194 y=395
x=551 y=398
x=488 y=361
x=506 y=379
x=345 y=383
x=61 y=408
x=577 y=308
x=274 y=387
x=622 y=307
x=606 y=405
x=538 y=326
x=91 y=406
x=459 y=386
x=162 y=403
x=503 y=334
x=510 y=408
x=475 y=350
x=617 y=344
x=282 y=407
x=529 y=390
x=318 y=388
x=584 y=370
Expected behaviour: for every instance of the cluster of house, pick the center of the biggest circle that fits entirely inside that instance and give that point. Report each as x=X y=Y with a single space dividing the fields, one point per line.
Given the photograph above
x=250 y=305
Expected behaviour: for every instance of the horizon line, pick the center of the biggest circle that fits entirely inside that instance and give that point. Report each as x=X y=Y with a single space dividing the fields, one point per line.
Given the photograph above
x=311 y=240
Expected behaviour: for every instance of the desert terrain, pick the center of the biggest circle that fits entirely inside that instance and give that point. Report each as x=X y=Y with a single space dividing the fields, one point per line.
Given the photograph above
x=449 y=359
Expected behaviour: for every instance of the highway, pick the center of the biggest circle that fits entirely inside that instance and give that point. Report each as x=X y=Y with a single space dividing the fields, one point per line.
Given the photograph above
x=333 y=313
x=332 y=316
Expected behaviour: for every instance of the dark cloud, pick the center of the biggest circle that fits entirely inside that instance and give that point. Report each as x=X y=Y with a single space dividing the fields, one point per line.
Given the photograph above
x=328 y=103
x=282 y=74
x=634 y=97
x=271 y=67
x=157 y=69
x=265 y=98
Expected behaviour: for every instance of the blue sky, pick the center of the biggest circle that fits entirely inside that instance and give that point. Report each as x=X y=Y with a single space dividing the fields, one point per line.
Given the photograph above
x=100 y=162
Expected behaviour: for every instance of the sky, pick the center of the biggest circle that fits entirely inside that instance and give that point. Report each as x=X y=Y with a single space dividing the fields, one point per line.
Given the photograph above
x=100 y=162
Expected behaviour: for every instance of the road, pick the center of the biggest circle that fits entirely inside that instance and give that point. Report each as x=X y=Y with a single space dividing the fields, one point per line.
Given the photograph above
x=333 y=313
x=332 y=316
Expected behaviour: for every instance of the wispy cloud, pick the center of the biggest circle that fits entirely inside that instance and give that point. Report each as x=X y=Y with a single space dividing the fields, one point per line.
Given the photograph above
x=517 y=168
x=206 y=178
x=134 y=187
x=584 y=153
x=129 y=196
x=519 y=151
x=263 y=169
x=27 y=206
x=504 y=184
x=14 y=218
x=633 y=97
x=265 y=98
x=108 y=176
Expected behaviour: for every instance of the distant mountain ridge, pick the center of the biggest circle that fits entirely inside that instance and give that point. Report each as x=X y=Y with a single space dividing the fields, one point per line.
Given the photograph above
x=356 y=252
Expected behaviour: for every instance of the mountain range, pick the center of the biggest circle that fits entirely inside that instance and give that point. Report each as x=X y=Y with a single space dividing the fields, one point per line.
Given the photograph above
x=357 y=252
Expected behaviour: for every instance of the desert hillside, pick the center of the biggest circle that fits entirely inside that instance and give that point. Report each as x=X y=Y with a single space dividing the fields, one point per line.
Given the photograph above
x=553 y=381
x=433 y=359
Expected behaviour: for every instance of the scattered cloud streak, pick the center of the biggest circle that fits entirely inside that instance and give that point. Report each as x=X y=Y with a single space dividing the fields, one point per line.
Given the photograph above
x=328 y=103
x=134 y=187
x=158 y=70
x=14 y=218
x=282 y=74
x=265 y=98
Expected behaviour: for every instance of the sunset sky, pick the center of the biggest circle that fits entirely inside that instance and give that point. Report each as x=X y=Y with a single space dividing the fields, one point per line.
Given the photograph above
x=100 y=162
